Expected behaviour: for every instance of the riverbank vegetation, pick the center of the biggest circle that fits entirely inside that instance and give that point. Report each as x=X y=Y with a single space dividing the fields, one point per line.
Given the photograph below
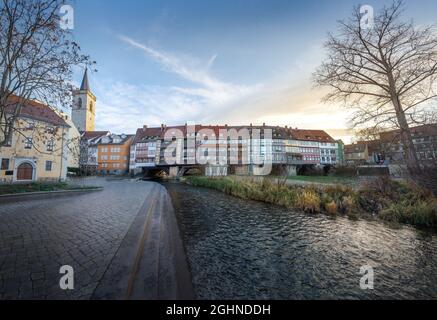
x=395 y=201
x=324 y=179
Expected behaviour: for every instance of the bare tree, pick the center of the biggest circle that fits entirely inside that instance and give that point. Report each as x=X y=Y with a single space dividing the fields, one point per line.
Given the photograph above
x=368 y=134
x=387 y=72
x=36 y=59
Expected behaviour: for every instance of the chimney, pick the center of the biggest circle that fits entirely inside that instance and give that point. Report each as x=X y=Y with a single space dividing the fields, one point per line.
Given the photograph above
x=162 y=127
x=144 y=128
x=264 y=124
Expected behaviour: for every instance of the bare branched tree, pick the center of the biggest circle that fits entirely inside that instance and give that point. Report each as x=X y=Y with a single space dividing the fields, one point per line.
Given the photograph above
x=387 y=72
x=36 y=58
x=368 y=134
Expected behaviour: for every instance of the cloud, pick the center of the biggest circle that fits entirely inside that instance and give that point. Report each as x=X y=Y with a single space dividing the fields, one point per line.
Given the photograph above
x=286 y=100
x=189 y=70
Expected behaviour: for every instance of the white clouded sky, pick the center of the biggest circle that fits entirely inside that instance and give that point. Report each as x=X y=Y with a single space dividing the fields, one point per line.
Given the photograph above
x=213 y=62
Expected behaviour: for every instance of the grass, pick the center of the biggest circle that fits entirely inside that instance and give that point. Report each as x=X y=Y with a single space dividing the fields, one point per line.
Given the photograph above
x=39 y=187
x=324 y=179
x=383 y=198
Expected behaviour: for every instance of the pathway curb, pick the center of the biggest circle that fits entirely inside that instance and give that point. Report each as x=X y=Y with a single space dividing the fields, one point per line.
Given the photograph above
x=43 y=194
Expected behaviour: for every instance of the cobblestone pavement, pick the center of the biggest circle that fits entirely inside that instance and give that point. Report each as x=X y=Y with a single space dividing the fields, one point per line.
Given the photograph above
x=84 y=231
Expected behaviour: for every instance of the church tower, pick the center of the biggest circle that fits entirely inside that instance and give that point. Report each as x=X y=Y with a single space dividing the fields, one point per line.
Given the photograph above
x=84 y=106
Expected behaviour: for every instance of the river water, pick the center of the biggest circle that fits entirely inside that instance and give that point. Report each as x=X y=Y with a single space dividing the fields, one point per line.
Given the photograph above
x=249 y=250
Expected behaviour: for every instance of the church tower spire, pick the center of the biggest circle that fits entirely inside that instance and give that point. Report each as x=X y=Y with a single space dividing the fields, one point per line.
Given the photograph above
x=85 y=84
x=84 y=106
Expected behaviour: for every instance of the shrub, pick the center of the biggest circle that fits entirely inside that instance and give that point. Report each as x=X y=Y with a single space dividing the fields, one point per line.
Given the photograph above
x=338 y=192
x=309 y=201
x=381 y=193
x=331 y=208
x=421 y=213
x=347 y=205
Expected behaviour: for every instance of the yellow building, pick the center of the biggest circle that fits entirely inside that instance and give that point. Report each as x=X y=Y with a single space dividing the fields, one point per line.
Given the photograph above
x=38 y=149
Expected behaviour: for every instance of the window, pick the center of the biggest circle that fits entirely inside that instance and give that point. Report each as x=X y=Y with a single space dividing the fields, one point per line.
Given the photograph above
x=50 y=130
x=28 y=142
x=104 y=149
x=104 y=157
x=5 y=164
x=49 y=165
x=9 y=141
x=30 y=126
x=79 y=103
x=50 y=145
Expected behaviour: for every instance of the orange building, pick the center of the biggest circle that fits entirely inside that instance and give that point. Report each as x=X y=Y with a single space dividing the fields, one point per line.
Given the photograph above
x=113 y=154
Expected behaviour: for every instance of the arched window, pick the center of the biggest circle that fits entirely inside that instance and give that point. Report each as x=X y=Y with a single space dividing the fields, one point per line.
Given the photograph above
x=79 y=103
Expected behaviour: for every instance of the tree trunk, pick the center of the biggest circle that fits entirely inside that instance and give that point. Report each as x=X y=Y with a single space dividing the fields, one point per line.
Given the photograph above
x=407 y=139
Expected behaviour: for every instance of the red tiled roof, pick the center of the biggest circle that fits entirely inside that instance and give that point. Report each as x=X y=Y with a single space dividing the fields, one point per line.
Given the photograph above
x=360 y=146
x=144 y=133
x=88 y=135
x=35 y=110
x=284 y=133
x=417 y=132
x=311 y=135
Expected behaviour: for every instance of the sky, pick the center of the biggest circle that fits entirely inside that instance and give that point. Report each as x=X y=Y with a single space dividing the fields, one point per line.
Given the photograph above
x=214 y=61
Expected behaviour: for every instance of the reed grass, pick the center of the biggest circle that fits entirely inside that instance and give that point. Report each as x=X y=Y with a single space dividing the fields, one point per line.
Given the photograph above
x=389 y=200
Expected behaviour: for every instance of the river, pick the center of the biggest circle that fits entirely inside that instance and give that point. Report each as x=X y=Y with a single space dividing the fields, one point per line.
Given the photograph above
x=241 y=249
